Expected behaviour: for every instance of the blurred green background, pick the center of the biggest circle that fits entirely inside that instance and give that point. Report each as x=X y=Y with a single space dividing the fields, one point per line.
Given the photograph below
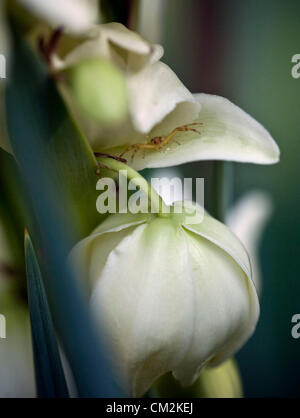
x=242 y=50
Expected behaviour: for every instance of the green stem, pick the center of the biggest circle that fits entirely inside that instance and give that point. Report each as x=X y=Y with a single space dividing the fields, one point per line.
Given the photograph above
x=157 y=202
x=222 y=188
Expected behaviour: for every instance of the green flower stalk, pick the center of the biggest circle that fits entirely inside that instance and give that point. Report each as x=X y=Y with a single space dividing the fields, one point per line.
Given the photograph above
x=223 y=381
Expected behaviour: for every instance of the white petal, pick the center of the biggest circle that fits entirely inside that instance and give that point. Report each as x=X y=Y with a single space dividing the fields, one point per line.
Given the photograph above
x=125 y=38
x=225 y=307
x=125 y=48
x=154 y=93
x=220 y=235
x=170 y=299
x=102 y=241
x=120 y=221
x=143 y=298
x=226 y=133
x=247 y=219
x=74 y=15
x=137 y=52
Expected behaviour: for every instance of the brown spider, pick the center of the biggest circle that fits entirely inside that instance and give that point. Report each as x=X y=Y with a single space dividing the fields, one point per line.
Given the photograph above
x=159 y=142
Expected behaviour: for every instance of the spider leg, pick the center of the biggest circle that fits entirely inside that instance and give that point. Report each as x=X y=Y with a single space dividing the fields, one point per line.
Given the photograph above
x=183 y=128
x=191 y=124
x=115 y=157
x=135 y=150
x=98 y=169
x=187 y=127
x=164 y=142
x=126 y=150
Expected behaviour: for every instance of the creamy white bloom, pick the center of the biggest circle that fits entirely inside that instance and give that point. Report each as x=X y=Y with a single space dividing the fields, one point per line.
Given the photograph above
x=74 y=15
x=170 y=296
x=226 y=133
x=125 y=48
x=248 y=219
x=159 y=103
x=154 y=91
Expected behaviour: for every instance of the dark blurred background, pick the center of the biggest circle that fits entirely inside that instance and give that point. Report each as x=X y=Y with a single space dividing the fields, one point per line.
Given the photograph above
x=242 y=50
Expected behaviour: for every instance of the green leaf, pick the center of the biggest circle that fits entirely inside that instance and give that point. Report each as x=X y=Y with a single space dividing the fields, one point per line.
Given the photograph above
x=50 y=379
x=57 y=170
x=64 y=152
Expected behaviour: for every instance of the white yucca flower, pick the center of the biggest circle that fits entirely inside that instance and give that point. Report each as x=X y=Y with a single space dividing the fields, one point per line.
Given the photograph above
x=169 y=295
x=160 y=103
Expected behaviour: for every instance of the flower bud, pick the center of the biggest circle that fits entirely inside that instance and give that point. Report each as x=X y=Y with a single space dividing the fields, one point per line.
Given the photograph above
x=170 y=295
x=99 y=88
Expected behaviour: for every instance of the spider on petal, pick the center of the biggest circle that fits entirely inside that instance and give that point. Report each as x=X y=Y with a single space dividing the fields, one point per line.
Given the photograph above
x=158 y=142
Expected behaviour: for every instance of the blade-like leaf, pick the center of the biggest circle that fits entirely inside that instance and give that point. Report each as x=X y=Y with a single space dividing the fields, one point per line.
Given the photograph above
x=59 y=181
x=50 y=379
x=64 y=152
